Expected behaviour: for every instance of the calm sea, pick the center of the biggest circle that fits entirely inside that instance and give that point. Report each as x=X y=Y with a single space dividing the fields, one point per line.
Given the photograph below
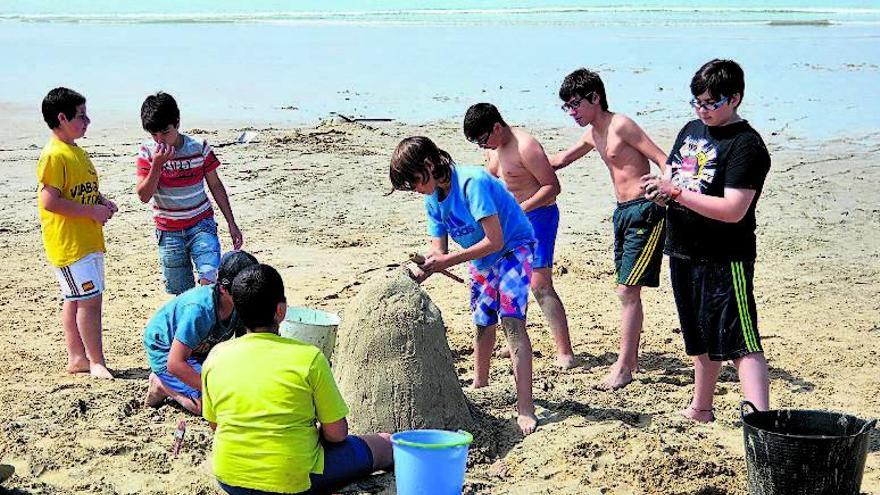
x=812 y=68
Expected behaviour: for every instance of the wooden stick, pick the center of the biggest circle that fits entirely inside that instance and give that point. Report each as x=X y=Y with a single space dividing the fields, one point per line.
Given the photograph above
x=420 y=260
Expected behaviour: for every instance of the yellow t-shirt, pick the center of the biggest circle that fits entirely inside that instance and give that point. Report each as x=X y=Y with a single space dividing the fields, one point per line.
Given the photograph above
x=68 y=169
x=265 y=393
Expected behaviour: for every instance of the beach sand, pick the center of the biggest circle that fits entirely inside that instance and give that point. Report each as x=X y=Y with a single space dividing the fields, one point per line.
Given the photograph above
x=310 y=202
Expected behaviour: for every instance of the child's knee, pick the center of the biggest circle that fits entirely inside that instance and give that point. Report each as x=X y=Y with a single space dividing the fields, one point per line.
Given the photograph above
x=629 y=294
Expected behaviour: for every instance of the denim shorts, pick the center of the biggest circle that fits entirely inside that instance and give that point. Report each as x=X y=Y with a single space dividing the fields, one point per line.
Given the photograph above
x=344 y=462
x=181 y=250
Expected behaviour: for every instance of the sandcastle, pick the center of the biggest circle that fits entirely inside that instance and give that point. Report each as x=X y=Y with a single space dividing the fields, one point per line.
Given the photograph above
x=393 y=362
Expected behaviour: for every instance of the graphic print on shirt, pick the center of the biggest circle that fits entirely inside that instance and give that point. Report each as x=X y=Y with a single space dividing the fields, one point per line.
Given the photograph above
x=457 y=227
x=694 y=164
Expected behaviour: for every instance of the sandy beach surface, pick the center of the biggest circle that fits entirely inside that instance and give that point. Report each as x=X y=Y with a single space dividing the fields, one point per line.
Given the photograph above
x=310 y=202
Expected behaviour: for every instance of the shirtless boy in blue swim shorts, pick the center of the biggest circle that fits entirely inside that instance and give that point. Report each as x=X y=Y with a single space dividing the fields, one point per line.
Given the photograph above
x=519 y=161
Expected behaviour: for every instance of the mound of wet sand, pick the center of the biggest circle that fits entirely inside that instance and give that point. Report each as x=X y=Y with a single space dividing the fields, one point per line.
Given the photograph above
x=393 y=362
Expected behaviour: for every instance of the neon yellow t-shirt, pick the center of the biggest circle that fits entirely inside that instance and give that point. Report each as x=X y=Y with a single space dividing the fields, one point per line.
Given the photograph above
x=265 y=393
x=68 y=169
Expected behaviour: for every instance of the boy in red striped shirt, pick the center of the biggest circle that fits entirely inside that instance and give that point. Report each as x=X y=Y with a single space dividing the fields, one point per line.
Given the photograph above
x=172 y=171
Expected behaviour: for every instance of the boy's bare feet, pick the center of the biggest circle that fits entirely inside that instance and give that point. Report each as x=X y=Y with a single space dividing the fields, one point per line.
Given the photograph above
x=565 y=361
x=98 y=370
x=527 y=422
x=618 y=377
x=78 y=365
x=155 y=392
x=698 y=415
x=478 y=384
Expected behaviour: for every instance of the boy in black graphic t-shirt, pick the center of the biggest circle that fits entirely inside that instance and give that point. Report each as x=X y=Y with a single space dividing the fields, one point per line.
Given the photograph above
x=716 y=172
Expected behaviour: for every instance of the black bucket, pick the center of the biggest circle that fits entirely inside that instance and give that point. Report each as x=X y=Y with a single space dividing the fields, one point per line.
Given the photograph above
x=803 y=452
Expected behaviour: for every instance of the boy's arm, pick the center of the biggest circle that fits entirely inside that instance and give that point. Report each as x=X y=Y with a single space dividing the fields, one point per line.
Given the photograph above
x=535 y=161
x=178 y=366
x=730 y=208
x=147 y=184
x=219 y=193
x=53 y=201
x=636 y=137
x=565 y=158
x=336 y=431
x=492 y=242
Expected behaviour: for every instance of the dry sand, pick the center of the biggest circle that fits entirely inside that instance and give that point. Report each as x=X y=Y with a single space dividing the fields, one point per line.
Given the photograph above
x=310 y=202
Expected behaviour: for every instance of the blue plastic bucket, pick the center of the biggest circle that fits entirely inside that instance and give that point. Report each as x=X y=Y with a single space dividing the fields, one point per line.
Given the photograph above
x=430 y=461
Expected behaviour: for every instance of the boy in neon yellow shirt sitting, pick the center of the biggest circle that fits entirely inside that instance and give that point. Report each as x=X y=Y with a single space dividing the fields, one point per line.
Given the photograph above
x=278 y=415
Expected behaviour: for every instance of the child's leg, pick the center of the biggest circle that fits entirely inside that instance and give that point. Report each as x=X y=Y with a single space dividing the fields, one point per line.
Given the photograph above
x=484 y=343
x=631 y=318
x=545 y=222
x=554 y=311
x=755 y=379
x=381 y=448
x=705 y=376
x=77 y=361
x=88 y=320
x=203 y=246
x=167 y=385
x=521 y=361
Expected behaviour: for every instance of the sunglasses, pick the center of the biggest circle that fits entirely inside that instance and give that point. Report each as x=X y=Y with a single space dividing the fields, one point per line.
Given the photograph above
x=697 y=104
x=482 y=140
x=572 y=104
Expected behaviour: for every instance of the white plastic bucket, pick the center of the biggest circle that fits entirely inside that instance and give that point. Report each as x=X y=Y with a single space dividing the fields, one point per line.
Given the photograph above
x=311 y=326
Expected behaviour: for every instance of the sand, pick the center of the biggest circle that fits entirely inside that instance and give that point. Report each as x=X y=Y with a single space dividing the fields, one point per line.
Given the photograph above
x=310 y=202
x=393 y=362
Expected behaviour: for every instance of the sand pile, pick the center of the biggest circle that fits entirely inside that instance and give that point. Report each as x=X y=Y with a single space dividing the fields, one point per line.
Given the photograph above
x=393 y=362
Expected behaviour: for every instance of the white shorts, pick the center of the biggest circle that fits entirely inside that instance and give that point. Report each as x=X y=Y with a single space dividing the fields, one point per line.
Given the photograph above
x=83 y=279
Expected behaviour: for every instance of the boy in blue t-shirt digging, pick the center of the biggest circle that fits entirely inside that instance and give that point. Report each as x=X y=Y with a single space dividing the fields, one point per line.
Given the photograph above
x=482 y=217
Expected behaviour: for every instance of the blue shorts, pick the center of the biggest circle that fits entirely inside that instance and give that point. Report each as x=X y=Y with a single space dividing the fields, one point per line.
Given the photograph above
x=174 y=383
x=545 y=221
x=344 y=462
x=180 y=250
x=503 y=288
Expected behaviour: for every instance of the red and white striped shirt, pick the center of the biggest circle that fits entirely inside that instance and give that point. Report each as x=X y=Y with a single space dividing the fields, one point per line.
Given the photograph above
x=180 y=200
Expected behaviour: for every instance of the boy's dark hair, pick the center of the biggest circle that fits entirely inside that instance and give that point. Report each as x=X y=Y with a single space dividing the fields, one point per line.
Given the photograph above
x=581 y=83
x=158 y=112
x=231 y=264
x=413 y=160
x=720 y=78
x=60 y=100
x=480 y=119
x=256 y=292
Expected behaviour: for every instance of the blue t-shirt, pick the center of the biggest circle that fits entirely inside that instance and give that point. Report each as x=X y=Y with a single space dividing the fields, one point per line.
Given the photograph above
x=475 y=194
x=190 y=318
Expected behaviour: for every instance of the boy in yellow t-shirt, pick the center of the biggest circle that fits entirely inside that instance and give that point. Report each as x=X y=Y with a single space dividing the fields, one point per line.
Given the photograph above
x=278 y=414
x=72 y=213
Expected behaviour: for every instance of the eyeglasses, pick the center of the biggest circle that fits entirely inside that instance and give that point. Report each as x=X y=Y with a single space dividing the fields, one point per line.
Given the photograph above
x=482 y=140
x=571 y=105
x=697 y=104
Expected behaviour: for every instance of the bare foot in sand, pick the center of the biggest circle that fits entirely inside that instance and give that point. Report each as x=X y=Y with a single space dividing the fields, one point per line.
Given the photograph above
x=100 y=371
x=527 y=423
x=618 y=377
x=78 y=365
x=698 y=415
x=565 y=362
x=155 y=394
x=478 y=384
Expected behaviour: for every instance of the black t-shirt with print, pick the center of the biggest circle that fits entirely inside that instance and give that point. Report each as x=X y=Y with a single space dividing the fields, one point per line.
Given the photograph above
x=706 y=160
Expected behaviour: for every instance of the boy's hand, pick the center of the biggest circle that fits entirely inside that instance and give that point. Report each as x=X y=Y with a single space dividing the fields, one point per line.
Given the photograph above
x=237 y=237
x=658 y=189
x=435 y=262
x=163 y=154
x=111 y=205
x=100 y=213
